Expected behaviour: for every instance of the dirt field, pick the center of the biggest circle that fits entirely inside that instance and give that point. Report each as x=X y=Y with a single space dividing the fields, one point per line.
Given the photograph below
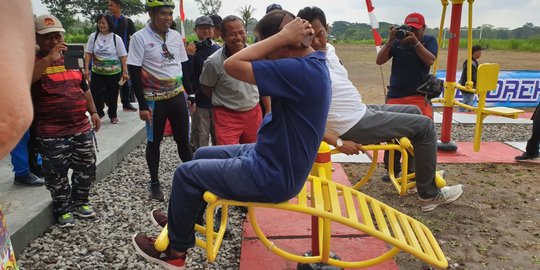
x=496 y=223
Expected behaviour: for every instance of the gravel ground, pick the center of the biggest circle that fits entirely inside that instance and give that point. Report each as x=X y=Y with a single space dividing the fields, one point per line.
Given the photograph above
x=122 y=206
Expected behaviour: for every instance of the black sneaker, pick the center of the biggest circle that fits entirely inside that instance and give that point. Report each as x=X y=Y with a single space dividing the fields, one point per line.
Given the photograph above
x=156 y=193
x=84 y=211
x=129 y=108
x=526 y=156
x=29 y=179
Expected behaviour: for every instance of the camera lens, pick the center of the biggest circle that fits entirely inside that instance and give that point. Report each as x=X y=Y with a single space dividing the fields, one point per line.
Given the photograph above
x=401 y=34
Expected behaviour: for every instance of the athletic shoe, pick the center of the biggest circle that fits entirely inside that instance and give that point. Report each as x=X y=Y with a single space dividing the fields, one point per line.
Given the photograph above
x=144 y=246
x=29 y=179
x=66 y=220
x=158 y=218
x=446 y=195
x=84 y=211
x=526 y=156
x=156 y=193
x=114 y=120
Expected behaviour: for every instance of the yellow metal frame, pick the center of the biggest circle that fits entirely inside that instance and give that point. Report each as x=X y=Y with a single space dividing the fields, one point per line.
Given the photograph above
x=486 y=81
x=401 y=183
x=329 y=202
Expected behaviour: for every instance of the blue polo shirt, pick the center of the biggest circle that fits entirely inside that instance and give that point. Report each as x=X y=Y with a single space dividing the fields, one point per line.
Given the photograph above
x=408 y=70
x=289 y=137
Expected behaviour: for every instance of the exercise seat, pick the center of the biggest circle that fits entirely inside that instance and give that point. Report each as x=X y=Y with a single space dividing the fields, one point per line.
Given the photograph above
x=329 y=202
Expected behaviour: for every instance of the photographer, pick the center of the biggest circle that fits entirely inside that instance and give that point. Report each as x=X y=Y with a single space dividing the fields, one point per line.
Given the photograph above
x=202 y=123
x=412 y=55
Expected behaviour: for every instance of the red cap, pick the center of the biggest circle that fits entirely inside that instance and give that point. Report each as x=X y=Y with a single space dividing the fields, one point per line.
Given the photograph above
x=415 y=20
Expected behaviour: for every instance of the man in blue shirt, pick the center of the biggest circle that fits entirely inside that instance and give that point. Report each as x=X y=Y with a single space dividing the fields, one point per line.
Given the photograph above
x=275 y=168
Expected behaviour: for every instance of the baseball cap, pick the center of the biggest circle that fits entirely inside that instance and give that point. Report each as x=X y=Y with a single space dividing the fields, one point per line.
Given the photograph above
x=273 y=7
x=204 y=20
x=415 y=20
x=48 y=23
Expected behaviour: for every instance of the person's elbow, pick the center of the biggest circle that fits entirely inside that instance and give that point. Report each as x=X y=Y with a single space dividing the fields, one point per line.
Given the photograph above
x=380 y=60
x=15 y=124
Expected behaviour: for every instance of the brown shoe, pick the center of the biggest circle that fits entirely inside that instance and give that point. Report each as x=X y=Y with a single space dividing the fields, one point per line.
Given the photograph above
x=156 y=193
x=158 y=218
x=144 y=246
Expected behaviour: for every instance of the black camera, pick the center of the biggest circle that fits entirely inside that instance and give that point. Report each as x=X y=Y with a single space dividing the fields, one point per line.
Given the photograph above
x=207 y=43
x=401 y=32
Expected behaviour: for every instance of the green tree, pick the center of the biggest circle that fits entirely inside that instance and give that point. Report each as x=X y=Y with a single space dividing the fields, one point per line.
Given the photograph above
x=65 y=10
x=209 y=7
x=246 y=12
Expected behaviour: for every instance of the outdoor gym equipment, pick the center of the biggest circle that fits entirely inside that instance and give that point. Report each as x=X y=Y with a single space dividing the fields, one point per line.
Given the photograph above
x=328 y=202
x=487 y=80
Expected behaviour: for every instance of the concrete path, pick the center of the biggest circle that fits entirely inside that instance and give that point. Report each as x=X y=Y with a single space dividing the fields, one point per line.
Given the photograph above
x=28 y=210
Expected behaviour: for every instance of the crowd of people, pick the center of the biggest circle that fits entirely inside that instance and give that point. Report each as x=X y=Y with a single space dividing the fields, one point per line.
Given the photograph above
x=264 y=109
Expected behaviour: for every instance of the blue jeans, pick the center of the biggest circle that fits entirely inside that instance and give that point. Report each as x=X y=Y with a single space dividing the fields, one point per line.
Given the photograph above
x=222 y=170
x=468 y=98
x=20 y=156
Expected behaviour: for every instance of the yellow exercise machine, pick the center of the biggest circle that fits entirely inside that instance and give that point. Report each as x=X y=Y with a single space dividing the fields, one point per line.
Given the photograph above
x=328 y=202
x=487 y=77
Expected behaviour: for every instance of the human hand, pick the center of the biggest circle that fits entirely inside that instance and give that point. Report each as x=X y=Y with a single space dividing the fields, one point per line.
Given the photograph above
x=350 y=148
x=146 y=115
x=96 y=121
x=409 y=39
x=125 y=76
x=191 y=48
x=296 y=30
x=57 y=52
x=192 y=106
x=391 y=35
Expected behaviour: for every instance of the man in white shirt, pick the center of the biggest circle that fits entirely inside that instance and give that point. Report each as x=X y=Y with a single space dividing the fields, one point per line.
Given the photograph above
x=156 y=55
x=351 y=123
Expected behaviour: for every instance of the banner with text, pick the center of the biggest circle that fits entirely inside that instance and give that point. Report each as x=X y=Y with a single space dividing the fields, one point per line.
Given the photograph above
x=515 y=88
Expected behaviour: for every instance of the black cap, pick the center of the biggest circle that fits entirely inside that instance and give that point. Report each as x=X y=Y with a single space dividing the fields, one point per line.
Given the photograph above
x=204 y=20
x=273 y=7
x=216 y=19
x=476 y=48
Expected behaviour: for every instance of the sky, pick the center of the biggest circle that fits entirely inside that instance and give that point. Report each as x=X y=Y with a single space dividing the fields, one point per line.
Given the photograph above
x=500 y=13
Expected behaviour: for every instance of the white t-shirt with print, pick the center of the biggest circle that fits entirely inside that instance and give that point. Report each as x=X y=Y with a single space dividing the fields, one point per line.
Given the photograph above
x=346 y=108
x=160 y=62
x=106 y=59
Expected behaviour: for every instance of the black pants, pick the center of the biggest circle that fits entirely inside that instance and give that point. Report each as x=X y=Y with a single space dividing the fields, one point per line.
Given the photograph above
x=126 y=95
x=105 y=91
x=532 y=143
x=175 y=109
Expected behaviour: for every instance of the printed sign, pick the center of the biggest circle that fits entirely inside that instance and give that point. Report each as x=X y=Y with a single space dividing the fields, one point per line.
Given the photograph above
x=7 y=257
x=515 y=88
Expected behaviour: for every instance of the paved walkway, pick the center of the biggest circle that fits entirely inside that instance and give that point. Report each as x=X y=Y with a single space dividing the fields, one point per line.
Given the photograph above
x=28 y=210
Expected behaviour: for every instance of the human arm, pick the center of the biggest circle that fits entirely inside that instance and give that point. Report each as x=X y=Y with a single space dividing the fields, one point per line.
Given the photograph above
x=207 y=90
x=87 y=57
x=91 y=107
x=136 y=84
x=421 y=49
x=348 y=148
x=239 y=65
x=54 y=55
x=16 y=65
x=384 y=54
x=125 y=72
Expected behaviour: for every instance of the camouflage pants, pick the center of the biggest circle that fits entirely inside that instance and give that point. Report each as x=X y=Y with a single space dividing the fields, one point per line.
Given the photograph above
x=61 y=154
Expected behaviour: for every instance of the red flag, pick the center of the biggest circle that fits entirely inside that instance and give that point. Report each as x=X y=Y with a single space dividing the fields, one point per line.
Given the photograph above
x=182 y=14
x=376 y=37
x=370 y=7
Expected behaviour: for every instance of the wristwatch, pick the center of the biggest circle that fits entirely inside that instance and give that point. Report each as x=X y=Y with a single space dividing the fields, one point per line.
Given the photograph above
x=339 y=142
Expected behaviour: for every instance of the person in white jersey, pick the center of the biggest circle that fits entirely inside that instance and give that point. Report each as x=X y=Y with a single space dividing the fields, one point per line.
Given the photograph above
x=156 y=55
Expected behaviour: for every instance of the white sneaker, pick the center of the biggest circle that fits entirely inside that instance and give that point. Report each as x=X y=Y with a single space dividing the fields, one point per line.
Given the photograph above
x=414 y=190
x=447 y=194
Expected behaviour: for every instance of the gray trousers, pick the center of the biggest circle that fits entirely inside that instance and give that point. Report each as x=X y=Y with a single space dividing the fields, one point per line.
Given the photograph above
x=382 y=123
